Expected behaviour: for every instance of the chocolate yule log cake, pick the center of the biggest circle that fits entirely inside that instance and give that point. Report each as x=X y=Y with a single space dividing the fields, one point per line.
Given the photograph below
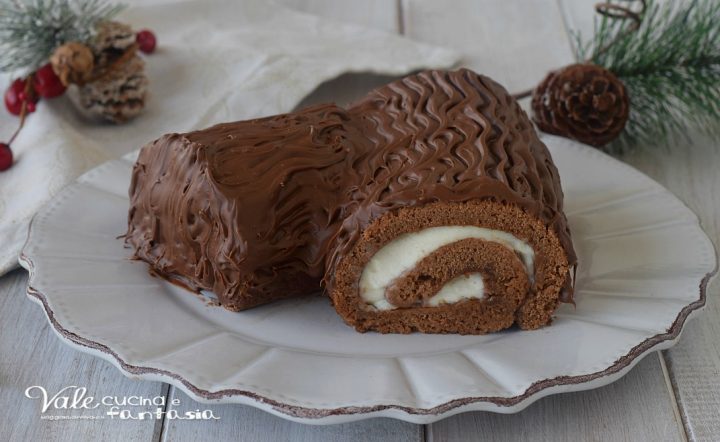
x=431 y=205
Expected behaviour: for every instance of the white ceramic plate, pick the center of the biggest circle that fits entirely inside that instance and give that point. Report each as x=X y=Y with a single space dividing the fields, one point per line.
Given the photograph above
x=644 y=265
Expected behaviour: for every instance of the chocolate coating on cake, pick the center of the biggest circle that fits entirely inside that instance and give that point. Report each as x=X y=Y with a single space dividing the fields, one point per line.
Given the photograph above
x=245 y=209
x=265 y=209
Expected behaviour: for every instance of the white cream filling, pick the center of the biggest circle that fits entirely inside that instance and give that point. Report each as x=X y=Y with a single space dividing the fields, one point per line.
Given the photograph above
x=462 y=287
x=406 y=251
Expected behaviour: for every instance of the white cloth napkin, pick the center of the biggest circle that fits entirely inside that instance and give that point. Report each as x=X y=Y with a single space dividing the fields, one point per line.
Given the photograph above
x=216 y=61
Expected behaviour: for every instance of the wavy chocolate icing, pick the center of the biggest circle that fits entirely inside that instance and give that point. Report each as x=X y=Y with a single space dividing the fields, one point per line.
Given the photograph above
x=264 y=209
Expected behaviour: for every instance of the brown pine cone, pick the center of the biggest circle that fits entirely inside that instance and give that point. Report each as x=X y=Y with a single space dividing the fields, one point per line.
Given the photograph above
x=584 y=102
x=119 y=95
x=117 y=89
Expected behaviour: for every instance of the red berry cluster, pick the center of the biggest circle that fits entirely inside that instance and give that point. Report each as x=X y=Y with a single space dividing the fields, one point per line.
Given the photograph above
x=23 y=94
x=44 y=84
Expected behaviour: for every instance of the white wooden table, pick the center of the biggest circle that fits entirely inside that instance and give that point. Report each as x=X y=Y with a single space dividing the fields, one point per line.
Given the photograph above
x=673 y=395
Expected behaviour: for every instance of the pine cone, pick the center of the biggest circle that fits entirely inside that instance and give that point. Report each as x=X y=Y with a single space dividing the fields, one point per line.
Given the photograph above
x=119 y=95
x=118 y=87
x=584 y=102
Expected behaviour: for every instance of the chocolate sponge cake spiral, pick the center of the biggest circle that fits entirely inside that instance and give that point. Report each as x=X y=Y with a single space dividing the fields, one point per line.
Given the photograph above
x=431 y=205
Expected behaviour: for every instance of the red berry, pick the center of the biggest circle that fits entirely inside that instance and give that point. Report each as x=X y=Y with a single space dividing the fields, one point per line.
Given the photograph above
x=6 y=157
x=13 y=102
x=46 y=83
x=146 y=41
x=31 y=107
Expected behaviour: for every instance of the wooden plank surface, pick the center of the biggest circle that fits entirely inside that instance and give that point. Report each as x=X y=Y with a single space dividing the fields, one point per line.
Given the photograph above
x=33 y=355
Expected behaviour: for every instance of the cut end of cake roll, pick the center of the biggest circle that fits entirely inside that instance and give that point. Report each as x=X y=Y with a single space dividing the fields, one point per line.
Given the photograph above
x=468 y=268
x=459 y=225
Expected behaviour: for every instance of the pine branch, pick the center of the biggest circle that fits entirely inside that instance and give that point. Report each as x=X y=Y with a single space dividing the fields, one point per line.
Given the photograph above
x=30 y=30
x=670 y=65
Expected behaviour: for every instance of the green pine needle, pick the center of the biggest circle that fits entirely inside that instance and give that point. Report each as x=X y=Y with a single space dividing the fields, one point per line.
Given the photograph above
x=30 y=30
x=670 y=65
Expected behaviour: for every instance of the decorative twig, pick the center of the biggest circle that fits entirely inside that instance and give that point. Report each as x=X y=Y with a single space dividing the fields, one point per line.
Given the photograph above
x=612 y=11
x=23 y=109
